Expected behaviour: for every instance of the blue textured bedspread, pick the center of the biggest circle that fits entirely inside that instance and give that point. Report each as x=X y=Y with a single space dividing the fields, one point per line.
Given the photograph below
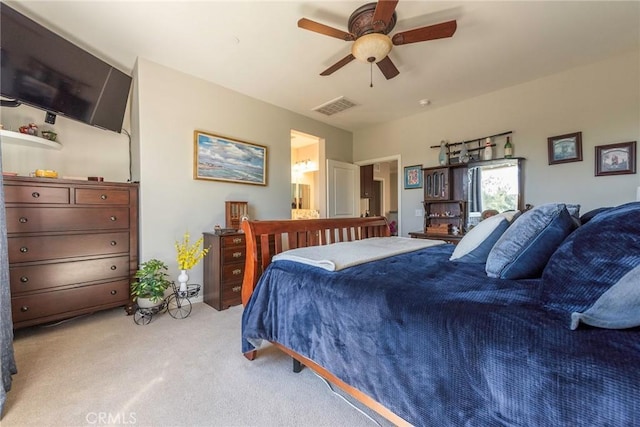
x=441 y=344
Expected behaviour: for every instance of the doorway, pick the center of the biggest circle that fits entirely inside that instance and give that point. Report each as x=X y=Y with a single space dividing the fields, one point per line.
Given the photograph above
x=305 y=176
x=385 y=199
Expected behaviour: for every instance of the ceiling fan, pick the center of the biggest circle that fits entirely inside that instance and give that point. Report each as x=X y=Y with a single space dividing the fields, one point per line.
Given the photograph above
x=368 y=28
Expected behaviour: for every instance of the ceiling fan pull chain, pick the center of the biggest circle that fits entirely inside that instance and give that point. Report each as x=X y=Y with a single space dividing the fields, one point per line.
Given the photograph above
x=371 y=73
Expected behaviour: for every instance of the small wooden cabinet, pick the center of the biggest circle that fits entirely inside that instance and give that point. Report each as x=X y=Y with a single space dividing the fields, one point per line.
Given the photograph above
x=234 y=212
x=437 y=183
x=224 y=269
x=73 y=246
x=440 y=218
x=366 y=181
x=449 y=199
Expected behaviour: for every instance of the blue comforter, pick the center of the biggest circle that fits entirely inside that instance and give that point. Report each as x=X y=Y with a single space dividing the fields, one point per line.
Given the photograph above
x=440 y=343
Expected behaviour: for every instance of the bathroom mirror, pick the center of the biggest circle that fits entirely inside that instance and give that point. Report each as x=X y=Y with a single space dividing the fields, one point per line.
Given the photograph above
x=300 y=196
x=494 y=185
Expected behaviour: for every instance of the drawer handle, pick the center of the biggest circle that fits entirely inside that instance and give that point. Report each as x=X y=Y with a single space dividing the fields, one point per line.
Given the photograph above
x=103 y=196
x=237 y=239
x=236 y=288
x=23 y=219
x=113 y=218
x=24 y=309
x=237 y=271
x=35 y=194
x=24 y=279
x=24 y=249
x=113 y=292
x=237 y=254
x=113 y=243
x=113 y=267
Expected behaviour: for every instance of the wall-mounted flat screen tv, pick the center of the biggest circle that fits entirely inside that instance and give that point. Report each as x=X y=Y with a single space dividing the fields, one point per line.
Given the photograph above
x=46 y=71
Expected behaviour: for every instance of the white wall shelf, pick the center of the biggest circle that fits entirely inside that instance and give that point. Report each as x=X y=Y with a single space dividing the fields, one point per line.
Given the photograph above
x=12 y=137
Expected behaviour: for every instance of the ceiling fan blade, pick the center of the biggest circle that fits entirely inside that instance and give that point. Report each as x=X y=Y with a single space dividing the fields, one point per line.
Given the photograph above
x=388 y=68
x=432 y=32
x=317 y=27
x=383 y=13
x=335 y=67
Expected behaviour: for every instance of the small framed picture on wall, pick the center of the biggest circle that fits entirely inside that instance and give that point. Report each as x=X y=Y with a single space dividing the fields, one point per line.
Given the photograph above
x=565 y=148
x=412 y=177
x=616 y=159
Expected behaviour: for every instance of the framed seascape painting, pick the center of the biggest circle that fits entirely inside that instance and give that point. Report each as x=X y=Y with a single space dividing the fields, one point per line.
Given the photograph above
x=616 y=159
x=412 y=177
x=220 y=158
x=565 y=148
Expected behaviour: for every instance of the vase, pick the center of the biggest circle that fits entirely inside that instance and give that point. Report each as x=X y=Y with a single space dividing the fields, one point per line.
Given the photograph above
x=147 y=303
x=183 y=278
x=443 y=157
x=464 y=154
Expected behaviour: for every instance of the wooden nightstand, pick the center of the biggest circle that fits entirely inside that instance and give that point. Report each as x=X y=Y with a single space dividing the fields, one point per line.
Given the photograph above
x=449 y=238
x=223 y=269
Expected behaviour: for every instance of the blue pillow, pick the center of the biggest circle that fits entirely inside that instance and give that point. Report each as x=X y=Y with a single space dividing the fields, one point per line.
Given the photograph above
x=475 y=246
x=524 y=249
x=595 y=257
x=589 y=215
x=617 y=308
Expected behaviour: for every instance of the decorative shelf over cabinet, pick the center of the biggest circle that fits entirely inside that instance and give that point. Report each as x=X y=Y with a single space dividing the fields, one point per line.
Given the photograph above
x=11 y=137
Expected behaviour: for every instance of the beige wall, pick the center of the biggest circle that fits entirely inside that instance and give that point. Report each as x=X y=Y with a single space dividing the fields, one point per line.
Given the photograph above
x=86 y=150
x=170 y=105
x=601 y=100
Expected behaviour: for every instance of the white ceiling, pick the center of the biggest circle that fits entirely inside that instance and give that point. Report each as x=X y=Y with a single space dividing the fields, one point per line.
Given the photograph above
x=255 y=47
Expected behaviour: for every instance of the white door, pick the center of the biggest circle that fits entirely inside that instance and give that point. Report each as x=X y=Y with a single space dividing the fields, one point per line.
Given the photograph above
x=343 y=189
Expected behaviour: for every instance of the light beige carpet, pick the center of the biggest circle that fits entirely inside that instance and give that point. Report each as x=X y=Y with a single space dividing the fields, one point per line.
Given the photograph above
x=103 y=369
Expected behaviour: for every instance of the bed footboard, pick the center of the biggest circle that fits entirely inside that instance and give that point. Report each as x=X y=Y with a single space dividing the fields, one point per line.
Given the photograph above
x=264 y=239
x=268 y=238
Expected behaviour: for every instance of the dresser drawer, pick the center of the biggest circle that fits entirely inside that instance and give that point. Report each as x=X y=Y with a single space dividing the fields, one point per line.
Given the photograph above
x=38 y=248
x=231 y=295
x=233 y=255
x=101 y=196
x=25 y=220
x=232 y=273
x=234 y=240
x=68 y=300
x=36 y=194
x=45 y=276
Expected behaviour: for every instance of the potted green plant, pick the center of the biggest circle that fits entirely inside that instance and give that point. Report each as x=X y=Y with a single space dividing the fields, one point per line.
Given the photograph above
x=148 y=289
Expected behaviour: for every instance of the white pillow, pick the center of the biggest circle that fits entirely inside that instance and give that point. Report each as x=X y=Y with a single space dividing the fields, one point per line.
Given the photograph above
x=477 y=243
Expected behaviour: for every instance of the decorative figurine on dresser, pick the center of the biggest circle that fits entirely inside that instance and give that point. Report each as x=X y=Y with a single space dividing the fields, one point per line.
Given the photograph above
x=73 y=246
x=224 y=267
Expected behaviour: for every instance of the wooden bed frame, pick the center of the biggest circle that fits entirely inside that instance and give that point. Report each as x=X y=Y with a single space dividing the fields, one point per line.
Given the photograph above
x=264 y=239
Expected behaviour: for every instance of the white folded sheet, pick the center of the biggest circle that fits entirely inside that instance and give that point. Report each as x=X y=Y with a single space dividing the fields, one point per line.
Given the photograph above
x=337 y=256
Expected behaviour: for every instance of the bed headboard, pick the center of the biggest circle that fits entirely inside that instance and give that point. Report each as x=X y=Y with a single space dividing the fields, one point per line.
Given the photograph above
x=268 y=238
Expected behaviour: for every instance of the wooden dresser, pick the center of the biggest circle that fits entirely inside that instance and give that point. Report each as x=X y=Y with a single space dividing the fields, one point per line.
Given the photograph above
x=73 y=246
x=223 y=269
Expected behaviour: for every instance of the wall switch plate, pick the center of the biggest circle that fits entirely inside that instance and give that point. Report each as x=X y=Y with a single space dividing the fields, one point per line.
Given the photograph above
x=419 y=212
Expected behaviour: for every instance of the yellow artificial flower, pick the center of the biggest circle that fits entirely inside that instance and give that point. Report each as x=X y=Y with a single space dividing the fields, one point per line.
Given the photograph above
x=189 y=255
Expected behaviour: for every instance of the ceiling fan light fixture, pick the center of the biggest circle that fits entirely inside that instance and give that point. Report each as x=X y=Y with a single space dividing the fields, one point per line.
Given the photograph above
x=372 y=47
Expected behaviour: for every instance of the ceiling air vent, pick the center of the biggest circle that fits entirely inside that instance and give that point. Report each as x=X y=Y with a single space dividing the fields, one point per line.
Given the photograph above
x=334 y=106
